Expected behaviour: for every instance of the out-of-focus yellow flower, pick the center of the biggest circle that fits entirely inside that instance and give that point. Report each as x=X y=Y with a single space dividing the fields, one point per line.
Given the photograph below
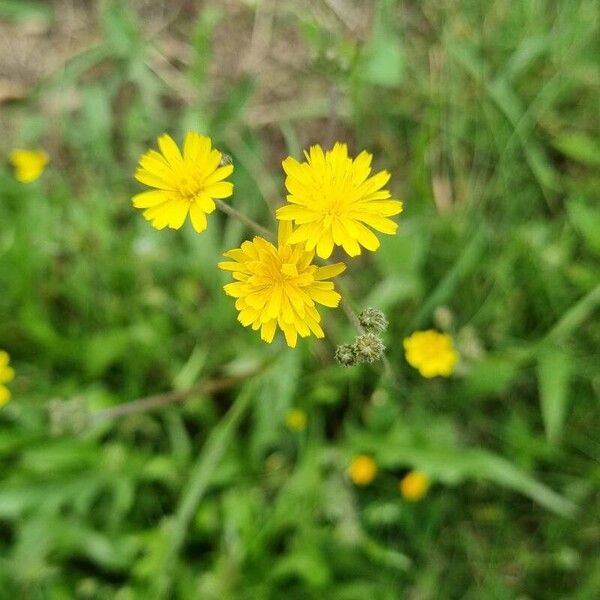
x=28 y=164
x=6 y=375
x=362 y=470
x=431 y=352
x=334 y=200
x=278 y=287
x=185 y=183
x=296 y=420
x=414 y=486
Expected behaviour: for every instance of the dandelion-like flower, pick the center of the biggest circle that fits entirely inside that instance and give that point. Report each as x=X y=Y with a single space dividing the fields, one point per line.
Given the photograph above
x=414 y=485
x=280 y=287
x=28 y=164
x=431 y=352
x=363 y=470
x=296 y=420
x=334 y=200
x=6 y=375
x=185 y=183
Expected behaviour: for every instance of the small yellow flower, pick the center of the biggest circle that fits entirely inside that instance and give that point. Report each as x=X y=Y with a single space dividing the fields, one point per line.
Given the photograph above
x=28 y=164
x=187 y=182
x=334 y=200
x=362 y=470
x=431 y=352
x=6 y=375
x=296 y=420
x=414 y=486
x=279 y=286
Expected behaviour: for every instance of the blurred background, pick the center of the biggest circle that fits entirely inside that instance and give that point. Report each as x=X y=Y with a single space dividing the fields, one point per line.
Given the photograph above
x=486 y=114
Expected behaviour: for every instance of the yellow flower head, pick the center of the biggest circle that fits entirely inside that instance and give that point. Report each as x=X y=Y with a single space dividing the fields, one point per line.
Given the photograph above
x=187 y=182
x=296 y=420
x=279 y=286
x=431 y=352
x=28 y=164
x=6 y=375
x=362 y=470
x=334 y=200
x=414 y=486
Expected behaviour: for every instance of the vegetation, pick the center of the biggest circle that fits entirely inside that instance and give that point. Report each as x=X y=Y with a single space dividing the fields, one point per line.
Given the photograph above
x=486 y=115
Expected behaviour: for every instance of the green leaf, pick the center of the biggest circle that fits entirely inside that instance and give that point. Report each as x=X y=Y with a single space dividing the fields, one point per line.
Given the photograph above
x=579 y=147
x=587 y=221
x=383 y=61
x=22 y=10
x=553 y=372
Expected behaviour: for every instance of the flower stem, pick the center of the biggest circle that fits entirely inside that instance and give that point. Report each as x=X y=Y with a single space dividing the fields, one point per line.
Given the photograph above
x=232 y=212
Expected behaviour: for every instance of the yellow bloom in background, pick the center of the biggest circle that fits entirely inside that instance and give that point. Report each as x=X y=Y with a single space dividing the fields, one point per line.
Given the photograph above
x=362 y=470
x=279 y=287
x=6 y=375
x=296 y=420
x=334 y=200
x=28 y=164
x=185 y=183
x=431 y=352
x=414 y=486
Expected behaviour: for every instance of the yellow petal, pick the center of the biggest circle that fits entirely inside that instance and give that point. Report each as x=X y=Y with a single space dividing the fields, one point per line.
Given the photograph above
x=198 y=217
x=329 y=271
x=169 y=149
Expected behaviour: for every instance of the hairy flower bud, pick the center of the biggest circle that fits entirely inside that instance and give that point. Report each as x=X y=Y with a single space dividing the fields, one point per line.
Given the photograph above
x=345 y=355
x=373 y=320
x=369 y=348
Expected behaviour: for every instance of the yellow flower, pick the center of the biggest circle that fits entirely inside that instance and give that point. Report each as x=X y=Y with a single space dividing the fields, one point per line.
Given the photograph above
x=362 y=470
x=296 y=420
x=280 y=286
x=431 y=352
x=184 y=183
x=333 y=200
x=28 y=164
x=414 y=486
x=6 y=375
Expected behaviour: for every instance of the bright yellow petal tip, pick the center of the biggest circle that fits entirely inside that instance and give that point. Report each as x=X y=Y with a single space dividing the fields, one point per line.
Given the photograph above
x=431 y=352
x=335 y=201
x=363 y=470
x=28 y=164
x=296 y=420
x=185 y=182
x=279 y=287
x=6 y=375
x=414 y=486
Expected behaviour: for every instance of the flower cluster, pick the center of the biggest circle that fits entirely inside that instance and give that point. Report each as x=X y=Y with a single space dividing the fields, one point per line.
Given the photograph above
x=6 y=376
x=333 y=200
x=363 y=470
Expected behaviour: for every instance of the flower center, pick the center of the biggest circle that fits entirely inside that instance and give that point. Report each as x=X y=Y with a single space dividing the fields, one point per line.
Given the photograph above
x=189 y=186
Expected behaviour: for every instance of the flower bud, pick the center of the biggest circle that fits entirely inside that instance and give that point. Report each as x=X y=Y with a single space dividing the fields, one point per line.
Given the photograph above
x=373 y=320
x=345 y=355
x=369 y=348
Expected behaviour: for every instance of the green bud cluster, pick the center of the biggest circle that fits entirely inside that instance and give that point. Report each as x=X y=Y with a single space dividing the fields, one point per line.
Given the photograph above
x=367 y=347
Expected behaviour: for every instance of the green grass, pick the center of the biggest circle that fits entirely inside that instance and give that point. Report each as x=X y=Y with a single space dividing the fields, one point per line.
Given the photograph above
x=486 y=114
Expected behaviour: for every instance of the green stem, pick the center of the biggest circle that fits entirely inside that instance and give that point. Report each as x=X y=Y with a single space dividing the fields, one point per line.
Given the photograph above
x=232 y=212
x=201 y=474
